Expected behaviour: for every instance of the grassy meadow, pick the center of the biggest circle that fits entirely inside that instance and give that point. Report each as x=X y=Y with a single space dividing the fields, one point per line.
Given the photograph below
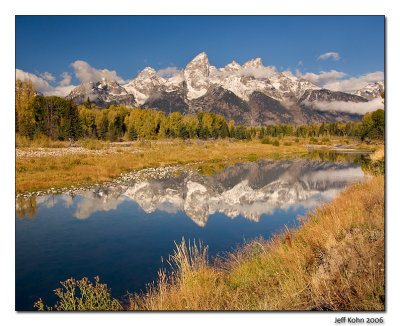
x=103 y=161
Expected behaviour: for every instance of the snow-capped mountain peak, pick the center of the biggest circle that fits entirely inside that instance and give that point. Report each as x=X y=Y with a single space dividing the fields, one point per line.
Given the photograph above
x=371 y=91
x=196 y=75
x=253 y=63
x=233 y=66
x=145 y=84
x=147 y=72
x=200 y=63
x=102 y=92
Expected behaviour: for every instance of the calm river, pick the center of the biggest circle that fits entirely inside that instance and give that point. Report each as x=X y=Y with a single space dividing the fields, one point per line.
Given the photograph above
x=121 y=232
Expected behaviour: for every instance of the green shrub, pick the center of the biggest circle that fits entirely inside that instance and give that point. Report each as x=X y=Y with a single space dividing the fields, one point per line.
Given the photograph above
x=252 y=157
x=287 y=143
x=326 y=140
x=314 y=140
x=297 y=140
x=82 y=295
x=275 y=143
x=266 y=140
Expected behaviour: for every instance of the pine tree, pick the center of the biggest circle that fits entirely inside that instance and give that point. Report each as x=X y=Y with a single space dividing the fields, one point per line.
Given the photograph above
x=262 y=133
x=183 y=133
x=103 y=127
x=132 y=134
x=87 y=104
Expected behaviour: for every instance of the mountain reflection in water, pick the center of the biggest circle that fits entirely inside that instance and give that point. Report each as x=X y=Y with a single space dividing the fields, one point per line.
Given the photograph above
x=121 y=232
x=248 y=189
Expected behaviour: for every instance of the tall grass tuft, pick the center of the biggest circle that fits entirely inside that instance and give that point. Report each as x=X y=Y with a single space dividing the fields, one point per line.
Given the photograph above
x=187 y=259
x=192 y=284
x=92 y=144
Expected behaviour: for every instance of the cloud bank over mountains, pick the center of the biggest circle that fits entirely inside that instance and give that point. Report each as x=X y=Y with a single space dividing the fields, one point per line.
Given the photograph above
x=354 y=83
x=333 y=80
x=85 y=73
x=46 y=83
x=42 y=85
x=351 y=107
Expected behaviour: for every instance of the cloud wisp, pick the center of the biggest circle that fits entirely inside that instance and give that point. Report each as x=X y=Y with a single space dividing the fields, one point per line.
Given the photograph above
x=334 y=55
x=66 y=79
x=351 y=107
x=86 y=73
x=257 y=72
x=168 y=72
x=48 y=76
x=323 y=77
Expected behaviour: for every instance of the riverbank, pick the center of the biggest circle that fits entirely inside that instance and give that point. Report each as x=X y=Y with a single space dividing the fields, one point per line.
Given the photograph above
x=334 y=261
x=39 y=168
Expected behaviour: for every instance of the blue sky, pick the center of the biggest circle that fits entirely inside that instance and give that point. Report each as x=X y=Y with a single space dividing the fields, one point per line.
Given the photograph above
x=127 y=44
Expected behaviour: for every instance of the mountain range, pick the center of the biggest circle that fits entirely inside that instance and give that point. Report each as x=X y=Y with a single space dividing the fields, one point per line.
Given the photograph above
x=251 y=94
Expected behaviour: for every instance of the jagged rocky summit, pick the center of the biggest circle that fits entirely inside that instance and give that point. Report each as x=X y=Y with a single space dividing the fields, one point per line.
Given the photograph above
x=250 y=94
x=102 y=93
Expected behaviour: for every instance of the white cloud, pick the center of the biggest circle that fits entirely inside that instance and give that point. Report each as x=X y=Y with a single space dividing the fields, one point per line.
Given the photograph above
x=39 y=83
x=168 y=72
x=61 y=91
x=42 y=86
x=334 y=55
x=85 y=73
x=257 y=72
x=323 y=77
x=48 y=76
x=351 y=107
x=354 y=83
x=91 y=204
x=66 y=79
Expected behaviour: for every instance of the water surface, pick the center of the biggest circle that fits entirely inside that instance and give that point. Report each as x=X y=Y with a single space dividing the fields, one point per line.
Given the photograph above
x=121 y=232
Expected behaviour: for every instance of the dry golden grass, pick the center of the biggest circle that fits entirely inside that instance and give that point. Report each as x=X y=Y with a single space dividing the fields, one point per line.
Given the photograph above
x=38 y=141
x=379 y=153
x=335 y=261
x=39 y=173
x=84 y=169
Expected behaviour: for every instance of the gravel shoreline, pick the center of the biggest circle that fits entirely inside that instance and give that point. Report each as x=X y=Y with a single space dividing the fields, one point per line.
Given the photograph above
x=133 y=176
x=54 y=152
